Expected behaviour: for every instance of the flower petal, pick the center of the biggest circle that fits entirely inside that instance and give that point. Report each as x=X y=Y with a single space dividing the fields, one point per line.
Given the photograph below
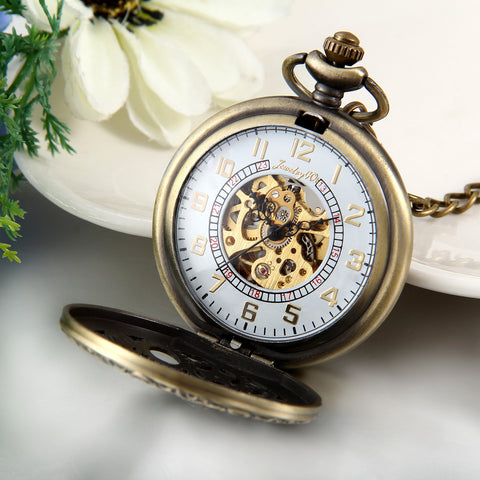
x=72 y=10
x=251 y=75
x=230 y=68
x=153 y=117
x=247 y=13
x=166 y=70
x=97 y=67
x=74 y=96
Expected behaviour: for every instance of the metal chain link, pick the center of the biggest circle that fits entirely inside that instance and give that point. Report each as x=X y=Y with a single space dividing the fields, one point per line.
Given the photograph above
x=451 y=203
x=425 y=206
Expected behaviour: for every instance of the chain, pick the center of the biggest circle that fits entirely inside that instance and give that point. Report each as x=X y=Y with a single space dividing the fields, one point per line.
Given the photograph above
x=424 y=207
x=451 y=203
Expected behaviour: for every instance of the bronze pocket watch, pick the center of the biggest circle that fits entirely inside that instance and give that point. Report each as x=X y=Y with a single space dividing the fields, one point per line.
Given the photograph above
x=283 y=235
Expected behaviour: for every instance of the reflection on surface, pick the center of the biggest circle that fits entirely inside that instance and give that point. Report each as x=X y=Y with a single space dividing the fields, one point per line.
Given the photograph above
x=449 y=243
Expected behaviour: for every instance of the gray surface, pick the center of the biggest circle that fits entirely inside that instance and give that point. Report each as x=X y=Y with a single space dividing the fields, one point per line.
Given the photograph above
x=402 y=405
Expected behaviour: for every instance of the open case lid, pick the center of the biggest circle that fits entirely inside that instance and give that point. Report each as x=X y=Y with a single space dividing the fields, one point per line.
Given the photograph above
x=190 y=366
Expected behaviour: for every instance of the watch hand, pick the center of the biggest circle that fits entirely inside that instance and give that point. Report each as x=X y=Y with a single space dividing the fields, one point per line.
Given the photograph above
x=273 y=231
x=317 y=222
x=299 y=226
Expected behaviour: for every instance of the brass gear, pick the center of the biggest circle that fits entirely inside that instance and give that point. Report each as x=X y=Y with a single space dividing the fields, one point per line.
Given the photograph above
x=270 y=243
x=255 y=211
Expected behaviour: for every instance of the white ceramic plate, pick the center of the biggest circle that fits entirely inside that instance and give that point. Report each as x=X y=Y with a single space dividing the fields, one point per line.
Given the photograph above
x=417 y=52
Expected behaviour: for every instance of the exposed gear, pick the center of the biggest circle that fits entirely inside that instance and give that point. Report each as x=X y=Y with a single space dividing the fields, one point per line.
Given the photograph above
x=283 y=214
x=272 y=242
x=258 y=210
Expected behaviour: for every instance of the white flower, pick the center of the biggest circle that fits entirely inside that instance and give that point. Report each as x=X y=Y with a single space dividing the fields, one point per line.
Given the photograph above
x=165 y=60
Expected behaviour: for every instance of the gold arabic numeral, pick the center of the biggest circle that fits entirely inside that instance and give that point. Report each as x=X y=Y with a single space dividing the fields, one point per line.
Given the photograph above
x=297 y=151
x=330 y=296
x=291 y=314
x=336 y=174
x=260 y=147
x=356 y=262
x=199 y=245
x=225 y=167
x=220 y=280
x=360 y=212
x=199 y=201
x=250 y=311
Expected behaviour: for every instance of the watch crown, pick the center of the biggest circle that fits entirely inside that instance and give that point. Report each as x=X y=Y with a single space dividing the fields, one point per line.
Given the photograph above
x=343 y=49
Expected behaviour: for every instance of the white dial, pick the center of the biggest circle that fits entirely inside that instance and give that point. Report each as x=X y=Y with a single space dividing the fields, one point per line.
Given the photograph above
x=275 y=233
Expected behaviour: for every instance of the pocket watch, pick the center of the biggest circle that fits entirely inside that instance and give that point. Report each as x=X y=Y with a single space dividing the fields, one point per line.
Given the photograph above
x=282 y=233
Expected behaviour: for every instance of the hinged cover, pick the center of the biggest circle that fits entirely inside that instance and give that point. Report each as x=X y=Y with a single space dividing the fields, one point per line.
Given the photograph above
x=190 y=366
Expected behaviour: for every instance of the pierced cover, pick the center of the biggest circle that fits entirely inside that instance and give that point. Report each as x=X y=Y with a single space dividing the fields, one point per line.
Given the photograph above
x=190 y=366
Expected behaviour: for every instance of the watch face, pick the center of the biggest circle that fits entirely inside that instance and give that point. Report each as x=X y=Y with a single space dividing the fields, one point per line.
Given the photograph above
x=275 y=233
